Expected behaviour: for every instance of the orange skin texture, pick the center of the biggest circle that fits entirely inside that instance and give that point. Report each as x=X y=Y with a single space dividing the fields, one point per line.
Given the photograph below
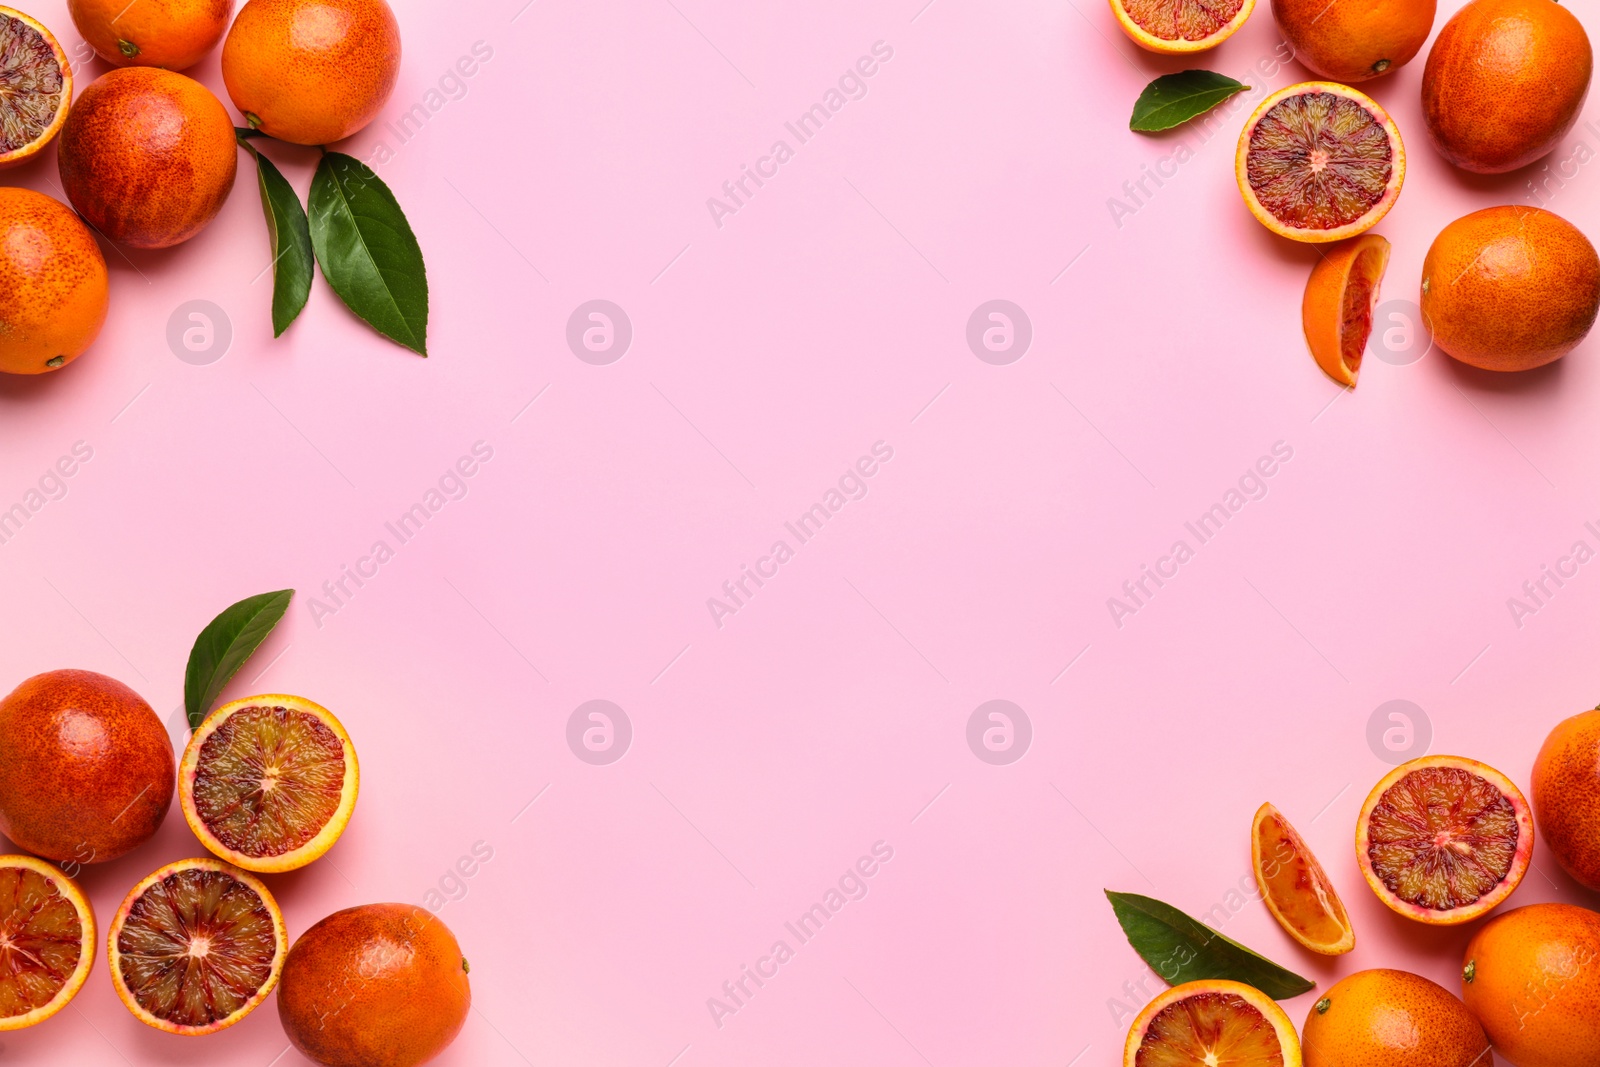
x=1354 y=40
x=381 y=985
x=163 y=33
x=1566 y=796
x=86 y=767
x=1386 y=1018
x=1505 y=82
x=311 y=71
x=53 y=284
x=148 y=157
x=1362 y=261
x=1510 y=288
x=1535 y=984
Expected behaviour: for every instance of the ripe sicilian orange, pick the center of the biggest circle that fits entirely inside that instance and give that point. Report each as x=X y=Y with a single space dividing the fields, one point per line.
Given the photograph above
x=1387 y=1018
x=1566 y=796
x=1209 y=1024
x=1341 y=294
x=38 y=84
x=86 y=767
x=174 y=34
x=1354 y=40
x=1504 y=82
x=1180 y=26
x=1443 y=840
x=1319 y=162
x=148 y=156
x=1532 y=977
x=1510 y=288
x=268 y=782
x=53 y=284
x=195 y=947
x=311 y=71
x=46 y=941
x=1295 y=887
x=378 y=984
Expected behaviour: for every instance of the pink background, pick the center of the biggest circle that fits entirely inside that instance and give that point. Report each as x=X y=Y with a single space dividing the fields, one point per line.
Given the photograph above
x=830 y=712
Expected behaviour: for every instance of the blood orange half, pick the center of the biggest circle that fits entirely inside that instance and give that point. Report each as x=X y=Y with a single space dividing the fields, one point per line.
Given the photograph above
x=1341 y=295
x=1320 y=162
x=46 y=941
x=1443 y=840
x=1178 y=26
x=1213 y=1023
x=38 y=87
x=196 y=947
x=1295 y=887
x=269 y=782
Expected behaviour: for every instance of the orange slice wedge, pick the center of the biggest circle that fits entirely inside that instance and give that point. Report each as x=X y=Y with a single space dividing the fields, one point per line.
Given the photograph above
x=38 y=87
x=1296 y=888
x=46 y=941
x=1180 y=26
x=1212 y=1023
x=1340 y=297
x=1319 y=162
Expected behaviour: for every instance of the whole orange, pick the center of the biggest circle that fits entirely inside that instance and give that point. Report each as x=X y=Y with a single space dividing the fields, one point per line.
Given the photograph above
x=1354 y=40
x=1509 y=288
x=1389 y=1018
x=148 y=156
x=311 y=71
x=1532 y=977
x=151 y=33
x=1504 y=82
x=1566 y=795
x=381 y=985
x=53 y=284
x=86 y=767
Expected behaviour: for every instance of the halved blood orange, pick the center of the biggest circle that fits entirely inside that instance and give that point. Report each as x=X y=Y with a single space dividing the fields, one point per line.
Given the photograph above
x=196 y=947
x=1319 y=161
x=268 y=782
x=1340 y=297
x=35 y=87
x=1212 y=1023
x=46 y=941
x=1443 y=839
x=1177 y=26
x=1295 y=887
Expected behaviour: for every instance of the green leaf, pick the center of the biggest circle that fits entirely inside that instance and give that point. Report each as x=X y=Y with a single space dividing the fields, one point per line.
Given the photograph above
x=224 y=645
x=1181 y=949
x=290 y=235
x=367 y=251
x=1173 y=99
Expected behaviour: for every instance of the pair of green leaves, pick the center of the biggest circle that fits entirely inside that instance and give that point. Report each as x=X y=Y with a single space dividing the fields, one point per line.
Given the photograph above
x=223 y=646
x=358 y=235
x=1174 y=99
x=1182 y=949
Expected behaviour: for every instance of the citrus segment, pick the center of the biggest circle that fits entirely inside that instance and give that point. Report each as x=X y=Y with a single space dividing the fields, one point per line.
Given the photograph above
x=1340 y=297
x=1174 y=26
x=1212 y=1023
x=1295 y=887
x=1319 y=162
x=46 y=941
x=1443 y=839
x=35 y=87
x=196 y=947
x=268 y=782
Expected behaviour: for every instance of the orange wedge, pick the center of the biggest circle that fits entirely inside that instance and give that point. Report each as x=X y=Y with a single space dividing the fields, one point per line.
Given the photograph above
x=1180 y=26
x=1340 y=297
x=1296 y=888
x=1212 y=1023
